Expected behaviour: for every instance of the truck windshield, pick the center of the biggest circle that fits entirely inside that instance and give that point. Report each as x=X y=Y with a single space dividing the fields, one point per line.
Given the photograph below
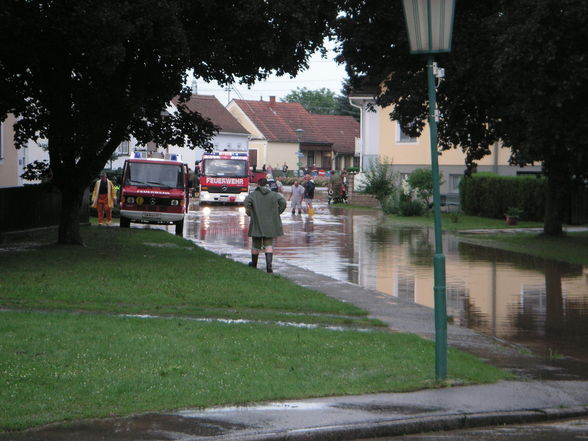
x=225 y=167
x=154 y=175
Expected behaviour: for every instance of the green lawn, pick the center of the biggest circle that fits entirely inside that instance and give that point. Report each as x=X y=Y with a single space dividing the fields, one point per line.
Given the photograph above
x=460 y=221
x=570 y=248
x=128 y=324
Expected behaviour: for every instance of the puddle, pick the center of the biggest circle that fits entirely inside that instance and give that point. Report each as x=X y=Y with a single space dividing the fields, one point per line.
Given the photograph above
x=531 y=302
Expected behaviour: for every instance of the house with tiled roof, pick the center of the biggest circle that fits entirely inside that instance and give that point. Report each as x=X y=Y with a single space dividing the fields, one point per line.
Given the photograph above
x=383 y=140
x=231 y=136
x=288 y=133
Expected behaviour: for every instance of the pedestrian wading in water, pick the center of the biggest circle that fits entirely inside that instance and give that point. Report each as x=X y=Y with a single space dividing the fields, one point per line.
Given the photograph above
x=264 y=207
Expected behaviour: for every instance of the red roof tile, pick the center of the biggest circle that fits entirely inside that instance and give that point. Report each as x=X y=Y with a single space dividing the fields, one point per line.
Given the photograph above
x=341 y=130
x=210 y=107
x=279 y=121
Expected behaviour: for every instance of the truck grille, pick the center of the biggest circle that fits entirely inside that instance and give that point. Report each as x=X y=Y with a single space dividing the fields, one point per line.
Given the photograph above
x=224 y=189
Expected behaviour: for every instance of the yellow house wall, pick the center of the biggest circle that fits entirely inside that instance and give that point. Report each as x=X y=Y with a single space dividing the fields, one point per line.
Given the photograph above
x=9 y=162
x=419 y=153
x=261 y=147
x=280 y=152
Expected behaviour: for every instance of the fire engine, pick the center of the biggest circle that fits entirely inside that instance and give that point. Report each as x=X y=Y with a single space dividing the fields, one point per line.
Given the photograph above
x=224 y=177
x=154 y=191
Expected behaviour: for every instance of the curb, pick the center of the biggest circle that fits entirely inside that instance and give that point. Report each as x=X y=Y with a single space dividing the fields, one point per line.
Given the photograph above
x=438 y=423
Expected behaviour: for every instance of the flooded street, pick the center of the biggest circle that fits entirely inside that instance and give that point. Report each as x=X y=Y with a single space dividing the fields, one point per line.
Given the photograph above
x=540 y=304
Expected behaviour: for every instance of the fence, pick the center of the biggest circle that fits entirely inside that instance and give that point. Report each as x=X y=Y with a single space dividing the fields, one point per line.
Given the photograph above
x=33 y=206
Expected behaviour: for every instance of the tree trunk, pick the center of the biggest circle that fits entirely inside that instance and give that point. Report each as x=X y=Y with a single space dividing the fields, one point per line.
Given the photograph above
x=69 y=224
x=554 y=309
x=554 y=207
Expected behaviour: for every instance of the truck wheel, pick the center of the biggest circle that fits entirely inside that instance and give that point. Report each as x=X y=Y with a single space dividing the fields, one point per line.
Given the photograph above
x=125 y=222
x=179 y=228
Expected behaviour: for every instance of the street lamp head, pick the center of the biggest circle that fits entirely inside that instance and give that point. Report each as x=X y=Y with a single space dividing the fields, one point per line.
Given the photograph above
x=429 y=24
x=299 y=133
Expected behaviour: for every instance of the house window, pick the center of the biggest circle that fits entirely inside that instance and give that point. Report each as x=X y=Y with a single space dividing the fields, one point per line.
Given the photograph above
x=454 y=181
x=402 y=137
x=123 y=148
x=310 y=159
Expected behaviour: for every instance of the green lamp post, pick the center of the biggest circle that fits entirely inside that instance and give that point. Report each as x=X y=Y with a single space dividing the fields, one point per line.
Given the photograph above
x=430 y=25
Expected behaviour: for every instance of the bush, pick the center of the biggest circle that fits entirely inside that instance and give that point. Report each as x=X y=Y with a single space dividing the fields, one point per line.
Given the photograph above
x=421 y=181
x=380 y=181
x=391 y=203
x=410 y=207
x=491 y=196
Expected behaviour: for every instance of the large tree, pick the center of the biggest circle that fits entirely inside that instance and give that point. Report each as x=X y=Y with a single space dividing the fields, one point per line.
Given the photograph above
x=88 y=74
x=319 y=101
x=517 y=72
x=324 y=101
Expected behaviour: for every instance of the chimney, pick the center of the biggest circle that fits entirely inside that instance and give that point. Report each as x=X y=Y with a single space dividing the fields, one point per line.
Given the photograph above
x=272 y=100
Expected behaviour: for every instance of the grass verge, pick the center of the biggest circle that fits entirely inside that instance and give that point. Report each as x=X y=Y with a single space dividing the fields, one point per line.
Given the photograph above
x=458 y=222
x=570 y=248
x=66 y=351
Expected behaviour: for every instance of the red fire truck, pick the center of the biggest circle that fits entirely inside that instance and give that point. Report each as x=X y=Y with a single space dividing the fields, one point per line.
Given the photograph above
x=154 y=191
x=224 y=177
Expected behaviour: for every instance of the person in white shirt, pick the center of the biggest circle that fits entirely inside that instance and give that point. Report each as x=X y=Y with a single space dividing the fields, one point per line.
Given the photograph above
x=296 y=197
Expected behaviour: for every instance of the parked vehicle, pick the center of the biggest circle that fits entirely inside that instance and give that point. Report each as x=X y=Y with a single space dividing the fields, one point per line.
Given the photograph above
x=224 y=177
x=256 y=176
x=154 y=191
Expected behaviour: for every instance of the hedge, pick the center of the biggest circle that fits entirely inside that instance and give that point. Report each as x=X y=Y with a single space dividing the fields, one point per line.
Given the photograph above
x=489 y=195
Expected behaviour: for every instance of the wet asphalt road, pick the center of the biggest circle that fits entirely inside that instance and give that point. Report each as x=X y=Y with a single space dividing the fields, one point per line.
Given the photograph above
x=567 y=430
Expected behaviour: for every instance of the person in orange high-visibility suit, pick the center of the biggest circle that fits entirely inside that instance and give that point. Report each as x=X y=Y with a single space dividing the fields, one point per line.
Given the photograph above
x=103 y=198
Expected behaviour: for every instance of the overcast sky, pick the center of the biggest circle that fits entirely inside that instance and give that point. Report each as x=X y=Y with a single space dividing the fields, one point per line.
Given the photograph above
x=322 y=72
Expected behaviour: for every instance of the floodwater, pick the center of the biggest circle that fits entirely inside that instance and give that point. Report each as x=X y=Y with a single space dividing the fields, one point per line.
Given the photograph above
x=540 y=304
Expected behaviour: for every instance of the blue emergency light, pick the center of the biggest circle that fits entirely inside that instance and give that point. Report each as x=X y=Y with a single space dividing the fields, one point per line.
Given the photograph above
x=225 y=154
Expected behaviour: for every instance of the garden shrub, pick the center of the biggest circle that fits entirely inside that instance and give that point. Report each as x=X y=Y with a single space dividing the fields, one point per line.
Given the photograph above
x=391 y=203
x=489 y=195
x=409 y=206
x=421 y=181
x=380 y=181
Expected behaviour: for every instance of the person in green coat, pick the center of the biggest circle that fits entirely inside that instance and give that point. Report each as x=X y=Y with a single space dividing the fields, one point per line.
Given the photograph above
x=264 y=207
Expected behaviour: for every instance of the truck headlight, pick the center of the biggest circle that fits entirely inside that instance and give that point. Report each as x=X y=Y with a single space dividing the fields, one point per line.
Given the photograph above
x=175 y=202
x=130 y=200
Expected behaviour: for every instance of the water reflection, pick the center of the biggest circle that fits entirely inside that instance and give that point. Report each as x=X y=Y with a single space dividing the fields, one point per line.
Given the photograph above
x=541 y=304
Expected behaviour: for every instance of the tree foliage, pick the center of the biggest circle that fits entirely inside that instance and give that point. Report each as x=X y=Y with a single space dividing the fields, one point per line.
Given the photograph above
x=324 y=101
x=342 y=105
x=320 y=101
x=86 y=75
x=517 y=73
x=421 y=181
